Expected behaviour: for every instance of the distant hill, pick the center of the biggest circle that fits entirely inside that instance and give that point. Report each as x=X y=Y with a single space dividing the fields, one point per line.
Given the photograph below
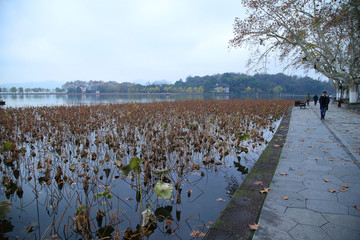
x=45 y=84
x=258 y=83
x=233 y=83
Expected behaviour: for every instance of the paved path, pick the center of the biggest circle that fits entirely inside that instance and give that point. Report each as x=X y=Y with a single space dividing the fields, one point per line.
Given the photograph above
x=318 y=156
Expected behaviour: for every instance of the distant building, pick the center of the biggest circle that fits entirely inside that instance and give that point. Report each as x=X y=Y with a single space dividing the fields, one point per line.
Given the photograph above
x=222 y=88
x=83 y=89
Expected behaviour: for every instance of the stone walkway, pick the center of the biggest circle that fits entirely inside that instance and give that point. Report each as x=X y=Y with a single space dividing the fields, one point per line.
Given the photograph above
x=315 y=190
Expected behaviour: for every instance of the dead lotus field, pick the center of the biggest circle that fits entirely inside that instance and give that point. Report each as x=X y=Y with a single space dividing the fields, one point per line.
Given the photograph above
x=127 y=171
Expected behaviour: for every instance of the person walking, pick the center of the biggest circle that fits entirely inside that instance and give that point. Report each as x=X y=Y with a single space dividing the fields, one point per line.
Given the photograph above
x=315 y=98
x=307 y=99
x=324 y=105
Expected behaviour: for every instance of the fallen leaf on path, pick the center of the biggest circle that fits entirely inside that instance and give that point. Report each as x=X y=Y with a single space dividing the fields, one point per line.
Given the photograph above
x=342 y=163
x=197 y=234
x=357 y=207
x=342 y=190
x=220 y=200
x=316 y=159
x=254 y=226
x=258 y=183
x=285 y=197
x=356 y=162
x=332 y=191
x=283 y=173
x=327 y=180
x=277 y=145
x=265 y=190
x=345 y=186
x=327 y=148
x=299 y=173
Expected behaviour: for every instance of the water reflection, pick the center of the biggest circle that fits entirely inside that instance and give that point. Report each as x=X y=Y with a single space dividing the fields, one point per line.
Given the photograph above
x=88 y=99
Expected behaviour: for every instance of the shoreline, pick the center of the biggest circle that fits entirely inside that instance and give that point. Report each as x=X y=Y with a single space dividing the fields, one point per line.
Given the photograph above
x=245 y=206
x=20 y=94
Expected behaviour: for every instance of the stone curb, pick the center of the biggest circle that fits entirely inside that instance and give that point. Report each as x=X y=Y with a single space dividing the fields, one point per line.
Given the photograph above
x=245 y=205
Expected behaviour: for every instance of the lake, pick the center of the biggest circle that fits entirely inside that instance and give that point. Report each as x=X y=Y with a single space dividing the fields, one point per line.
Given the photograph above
x=70 y=161
x=86 y=99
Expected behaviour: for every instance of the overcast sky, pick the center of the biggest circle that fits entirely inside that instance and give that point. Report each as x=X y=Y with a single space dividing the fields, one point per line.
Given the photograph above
x=118 y=40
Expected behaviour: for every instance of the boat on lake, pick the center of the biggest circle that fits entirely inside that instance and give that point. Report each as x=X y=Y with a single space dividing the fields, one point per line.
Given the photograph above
x=2 y=102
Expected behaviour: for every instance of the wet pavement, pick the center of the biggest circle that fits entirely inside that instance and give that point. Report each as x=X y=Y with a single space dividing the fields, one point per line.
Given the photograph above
x=315 y=190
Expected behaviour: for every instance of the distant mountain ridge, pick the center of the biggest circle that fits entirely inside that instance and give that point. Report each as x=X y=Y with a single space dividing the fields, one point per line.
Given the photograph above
x=235 y=83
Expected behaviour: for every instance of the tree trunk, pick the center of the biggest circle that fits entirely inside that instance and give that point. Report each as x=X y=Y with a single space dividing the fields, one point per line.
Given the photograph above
x=353 y=93
x=338 y=94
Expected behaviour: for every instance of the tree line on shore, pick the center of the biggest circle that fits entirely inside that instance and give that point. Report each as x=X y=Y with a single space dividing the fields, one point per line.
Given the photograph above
x=234 y=82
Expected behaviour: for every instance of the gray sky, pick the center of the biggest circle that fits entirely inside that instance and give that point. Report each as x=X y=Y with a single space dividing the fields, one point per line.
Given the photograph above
x=119 y=40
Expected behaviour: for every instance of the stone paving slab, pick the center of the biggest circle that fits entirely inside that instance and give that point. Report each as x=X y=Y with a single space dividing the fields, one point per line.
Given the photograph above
x=319 y=175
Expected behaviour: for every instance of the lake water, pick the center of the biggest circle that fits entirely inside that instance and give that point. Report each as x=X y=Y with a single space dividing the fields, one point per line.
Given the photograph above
x=87 y=99
x=48 y=208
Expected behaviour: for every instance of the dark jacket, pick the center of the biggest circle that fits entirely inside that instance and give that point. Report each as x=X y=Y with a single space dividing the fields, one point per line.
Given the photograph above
x=324 y=101
x=316 y=98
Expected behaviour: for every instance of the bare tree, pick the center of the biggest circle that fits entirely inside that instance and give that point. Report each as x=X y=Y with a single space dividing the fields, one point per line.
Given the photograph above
x=319 y=34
